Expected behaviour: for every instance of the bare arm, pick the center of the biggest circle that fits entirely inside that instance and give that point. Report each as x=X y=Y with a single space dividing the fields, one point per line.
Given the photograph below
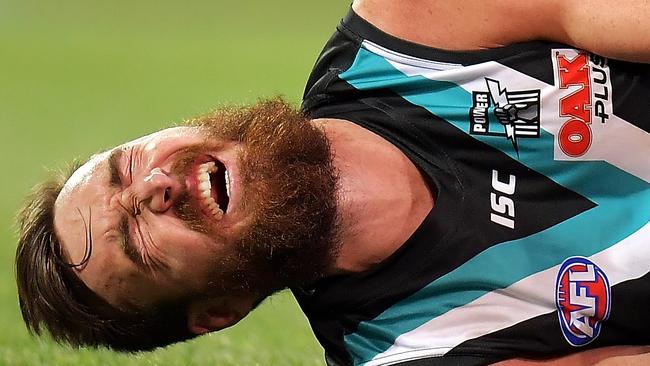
x=607 y=356
x=614 y=29
x=629 y=360
x=619 y=30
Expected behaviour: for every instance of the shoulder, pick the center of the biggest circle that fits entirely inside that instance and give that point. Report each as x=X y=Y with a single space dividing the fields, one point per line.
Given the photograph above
x=463 y=24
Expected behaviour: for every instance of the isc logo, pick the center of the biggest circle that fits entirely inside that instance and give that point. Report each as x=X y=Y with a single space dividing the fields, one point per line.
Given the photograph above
x=583 y=300
x=503 y=207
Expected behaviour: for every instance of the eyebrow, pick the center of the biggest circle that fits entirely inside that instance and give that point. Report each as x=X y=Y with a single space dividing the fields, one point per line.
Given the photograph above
x=128 y=246
x=115 y=180
x=114 y=167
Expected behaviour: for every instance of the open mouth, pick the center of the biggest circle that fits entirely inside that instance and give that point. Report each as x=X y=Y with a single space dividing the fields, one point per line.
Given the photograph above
x=213 y=188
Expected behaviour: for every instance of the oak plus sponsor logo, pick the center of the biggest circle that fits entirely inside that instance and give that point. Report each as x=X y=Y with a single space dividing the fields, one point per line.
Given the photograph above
x=501 y=111
x=585 y=98
x=583 y=300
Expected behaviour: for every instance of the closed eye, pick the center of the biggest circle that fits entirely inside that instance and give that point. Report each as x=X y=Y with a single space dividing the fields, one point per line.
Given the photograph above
x=131 y=165
x=129 y=247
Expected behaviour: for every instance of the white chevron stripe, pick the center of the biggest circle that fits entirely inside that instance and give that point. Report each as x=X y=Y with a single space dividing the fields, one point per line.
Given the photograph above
x=608 y=138
x=528 y=298
x=534 y=295
x=401 y=58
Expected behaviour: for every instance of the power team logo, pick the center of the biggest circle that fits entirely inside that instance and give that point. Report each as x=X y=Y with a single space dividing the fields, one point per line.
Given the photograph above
x=516 y=112
x=583 y=299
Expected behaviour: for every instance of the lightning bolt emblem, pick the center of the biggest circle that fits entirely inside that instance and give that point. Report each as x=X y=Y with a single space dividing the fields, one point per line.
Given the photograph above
x=500 y=98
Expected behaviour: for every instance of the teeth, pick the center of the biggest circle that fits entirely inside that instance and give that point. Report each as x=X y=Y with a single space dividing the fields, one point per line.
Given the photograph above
x=204 y=176
x=205 y=186
x=217 y=211
x=227 y=183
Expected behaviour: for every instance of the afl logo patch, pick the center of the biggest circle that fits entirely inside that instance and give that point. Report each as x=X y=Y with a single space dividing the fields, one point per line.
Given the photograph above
x=583 y=299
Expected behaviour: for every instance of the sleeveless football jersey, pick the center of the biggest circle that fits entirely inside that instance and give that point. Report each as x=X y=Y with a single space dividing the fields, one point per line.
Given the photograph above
x=539 y=241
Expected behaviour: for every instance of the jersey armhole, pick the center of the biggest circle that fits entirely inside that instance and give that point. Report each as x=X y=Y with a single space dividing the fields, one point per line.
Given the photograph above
x=354 y=26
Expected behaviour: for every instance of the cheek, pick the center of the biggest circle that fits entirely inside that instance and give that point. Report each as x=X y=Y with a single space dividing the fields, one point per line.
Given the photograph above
x=195 y=253
x=132 y=288
x=191 y=256
x=117 y=281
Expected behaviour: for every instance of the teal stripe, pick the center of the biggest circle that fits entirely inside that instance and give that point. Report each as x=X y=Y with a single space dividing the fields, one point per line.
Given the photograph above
x=499 y=266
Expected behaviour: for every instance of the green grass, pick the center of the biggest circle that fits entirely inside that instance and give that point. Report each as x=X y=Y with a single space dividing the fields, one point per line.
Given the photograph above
x=80 y=76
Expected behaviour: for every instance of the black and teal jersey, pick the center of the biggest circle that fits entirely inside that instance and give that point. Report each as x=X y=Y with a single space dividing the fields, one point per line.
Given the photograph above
x=539 y=240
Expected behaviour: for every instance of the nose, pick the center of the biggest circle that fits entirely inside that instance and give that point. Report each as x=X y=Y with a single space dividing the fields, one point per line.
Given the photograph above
x=156 y=190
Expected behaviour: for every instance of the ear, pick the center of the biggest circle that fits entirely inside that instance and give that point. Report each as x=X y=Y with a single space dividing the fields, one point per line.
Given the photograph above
x=210 y=315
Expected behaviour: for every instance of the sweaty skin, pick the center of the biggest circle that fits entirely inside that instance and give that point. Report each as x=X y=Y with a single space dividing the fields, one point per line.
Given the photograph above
x=176 y=259
x=375 y=219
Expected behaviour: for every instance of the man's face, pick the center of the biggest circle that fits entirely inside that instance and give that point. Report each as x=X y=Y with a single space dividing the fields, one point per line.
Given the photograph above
x=240 y=204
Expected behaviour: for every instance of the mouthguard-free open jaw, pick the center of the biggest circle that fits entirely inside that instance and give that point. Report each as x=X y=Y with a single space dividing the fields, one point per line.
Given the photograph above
x=220 y=185
x=213 y=188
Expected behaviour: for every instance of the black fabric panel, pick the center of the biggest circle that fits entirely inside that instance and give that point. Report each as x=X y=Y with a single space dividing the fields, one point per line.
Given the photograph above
x=462 y=180
x=450 y=361
x=337 y=56
x=527 y=62
x=631 y=92
x=625 y=326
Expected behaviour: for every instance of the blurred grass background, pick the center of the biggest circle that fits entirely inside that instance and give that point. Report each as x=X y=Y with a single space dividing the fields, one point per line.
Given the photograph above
x=80 y=76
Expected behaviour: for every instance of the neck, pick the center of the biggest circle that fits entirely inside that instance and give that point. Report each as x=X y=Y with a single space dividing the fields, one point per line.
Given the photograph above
x=382 y=197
